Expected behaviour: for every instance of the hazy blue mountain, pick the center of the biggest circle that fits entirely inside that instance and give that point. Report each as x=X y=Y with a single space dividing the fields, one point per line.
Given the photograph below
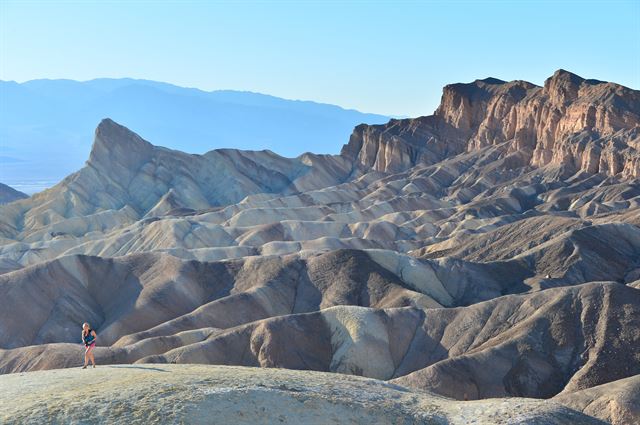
x=9 y=194
x=46 y=126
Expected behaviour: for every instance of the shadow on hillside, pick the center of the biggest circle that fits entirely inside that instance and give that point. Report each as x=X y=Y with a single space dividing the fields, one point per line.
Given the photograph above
x=135 y=367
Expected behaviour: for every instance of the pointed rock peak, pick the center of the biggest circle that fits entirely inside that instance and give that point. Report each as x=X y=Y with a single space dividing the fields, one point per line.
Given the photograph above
x=109 y=131
x=491 y=80
x=566 y=76
x=563 y=86
x=116 y=144
x=107 y=123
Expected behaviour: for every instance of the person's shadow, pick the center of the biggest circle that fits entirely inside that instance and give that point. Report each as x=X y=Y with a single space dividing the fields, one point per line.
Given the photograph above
x=135 y=367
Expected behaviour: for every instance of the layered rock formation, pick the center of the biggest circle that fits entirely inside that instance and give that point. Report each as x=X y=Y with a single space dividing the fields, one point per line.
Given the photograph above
x=489 y=250
x=588 y=125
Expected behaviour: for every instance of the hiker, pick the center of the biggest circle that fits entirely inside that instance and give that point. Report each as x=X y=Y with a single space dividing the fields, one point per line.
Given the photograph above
x=89 y=339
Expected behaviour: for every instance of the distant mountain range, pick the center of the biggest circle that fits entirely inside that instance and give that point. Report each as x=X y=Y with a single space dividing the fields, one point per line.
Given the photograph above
x=46 y=126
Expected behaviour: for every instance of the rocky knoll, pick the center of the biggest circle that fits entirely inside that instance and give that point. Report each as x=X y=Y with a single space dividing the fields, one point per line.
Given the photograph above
x=489 y=250
x=197 y=394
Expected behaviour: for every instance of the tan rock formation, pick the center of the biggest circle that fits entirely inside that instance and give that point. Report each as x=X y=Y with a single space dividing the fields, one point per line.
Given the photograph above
x=590 y=125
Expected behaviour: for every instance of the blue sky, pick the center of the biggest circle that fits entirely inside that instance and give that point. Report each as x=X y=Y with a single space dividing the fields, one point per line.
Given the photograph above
x=390 y=57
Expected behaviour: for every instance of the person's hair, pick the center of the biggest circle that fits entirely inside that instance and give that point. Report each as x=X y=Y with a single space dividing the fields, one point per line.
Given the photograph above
x=88 y=326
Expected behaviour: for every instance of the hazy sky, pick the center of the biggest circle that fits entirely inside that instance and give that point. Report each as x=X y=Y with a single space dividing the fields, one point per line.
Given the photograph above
x=389 y=57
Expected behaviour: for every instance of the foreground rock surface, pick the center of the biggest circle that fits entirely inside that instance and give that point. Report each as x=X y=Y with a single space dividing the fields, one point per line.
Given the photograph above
x=216 y=394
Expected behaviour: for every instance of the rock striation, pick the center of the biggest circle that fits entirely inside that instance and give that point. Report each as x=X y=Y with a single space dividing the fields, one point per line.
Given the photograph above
x=589 y=125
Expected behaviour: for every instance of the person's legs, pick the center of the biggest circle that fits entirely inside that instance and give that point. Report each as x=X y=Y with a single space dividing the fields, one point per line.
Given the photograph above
x=91 y=357
x=86 y=357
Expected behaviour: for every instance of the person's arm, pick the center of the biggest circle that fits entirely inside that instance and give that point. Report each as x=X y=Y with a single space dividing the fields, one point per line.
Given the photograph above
x=95 y=336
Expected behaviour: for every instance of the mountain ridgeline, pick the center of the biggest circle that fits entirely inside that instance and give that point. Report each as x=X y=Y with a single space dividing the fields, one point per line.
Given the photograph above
x=489 y=250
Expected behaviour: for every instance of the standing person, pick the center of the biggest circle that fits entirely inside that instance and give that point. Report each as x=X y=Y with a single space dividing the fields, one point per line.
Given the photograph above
x=89 y=339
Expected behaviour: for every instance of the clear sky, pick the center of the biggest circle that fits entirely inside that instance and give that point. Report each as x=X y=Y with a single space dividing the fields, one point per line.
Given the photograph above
x=390 y=57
